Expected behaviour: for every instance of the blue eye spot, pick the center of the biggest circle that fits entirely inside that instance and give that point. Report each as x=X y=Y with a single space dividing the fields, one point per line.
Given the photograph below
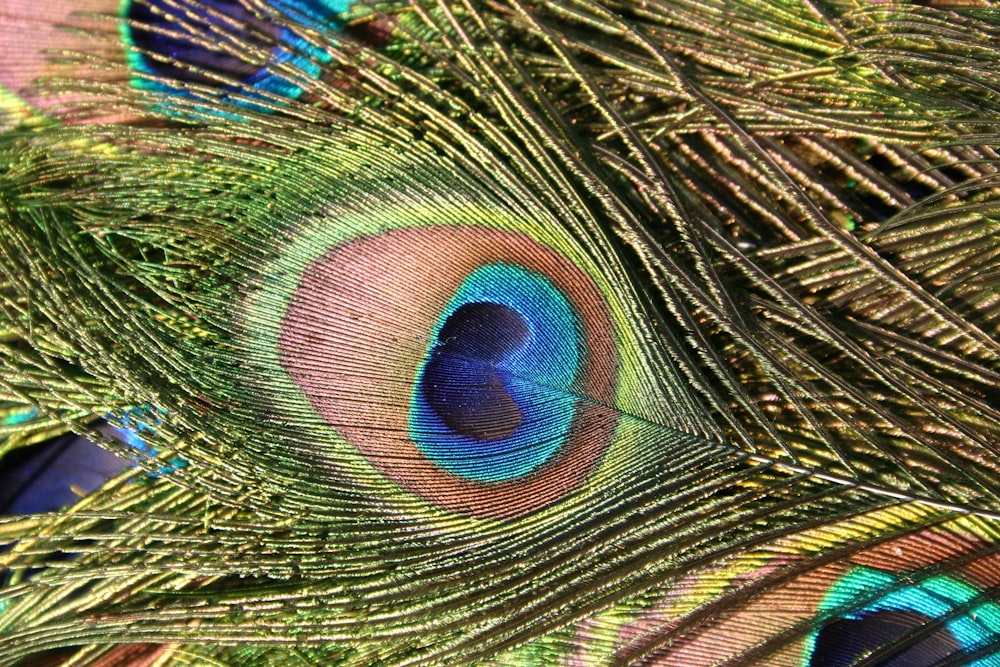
x=493 y=401
x=210 y=41
x=906 y=624
x=847 y=640
x=462 y=382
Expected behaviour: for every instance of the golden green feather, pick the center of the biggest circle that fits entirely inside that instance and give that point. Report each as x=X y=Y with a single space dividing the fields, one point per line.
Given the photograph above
x=519 y=333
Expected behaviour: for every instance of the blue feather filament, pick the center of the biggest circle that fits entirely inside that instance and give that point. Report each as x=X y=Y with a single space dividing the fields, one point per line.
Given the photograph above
x=20 y=417
x=493 y=402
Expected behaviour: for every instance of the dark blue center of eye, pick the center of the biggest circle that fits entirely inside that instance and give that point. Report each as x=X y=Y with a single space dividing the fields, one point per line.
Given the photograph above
x=461 y=382
x=846 y=642
x=495 y=396
x=50 y=475
x=221 y=20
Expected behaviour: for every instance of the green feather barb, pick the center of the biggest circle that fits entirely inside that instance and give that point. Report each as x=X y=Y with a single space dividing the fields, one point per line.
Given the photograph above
x=518 y=333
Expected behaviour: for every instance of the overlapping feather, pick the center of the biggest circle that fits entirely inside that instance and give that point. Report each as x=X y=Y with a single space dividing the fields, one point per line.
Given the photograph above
x=789 y=210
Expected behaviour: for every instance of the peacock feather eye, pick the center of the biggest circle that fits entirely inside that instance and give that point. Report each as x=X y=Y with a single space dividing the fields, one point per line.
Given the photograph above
x=167 y=41
x=506 y=348
x=451 y=349
x=492 y=363
x=915 y=622
x=50 y=475
x=46 y=474
x=224 y=50
x=921 y=599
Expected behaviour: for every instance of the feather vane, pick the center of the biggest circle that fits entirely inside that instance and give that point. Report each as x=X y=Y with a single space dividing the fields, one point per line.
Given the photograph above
x=514 y=333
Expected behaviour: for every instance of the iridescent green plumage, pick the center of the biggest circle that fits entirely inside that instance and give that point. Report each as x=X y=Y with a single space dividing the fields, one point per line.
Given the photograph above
x=755 y=245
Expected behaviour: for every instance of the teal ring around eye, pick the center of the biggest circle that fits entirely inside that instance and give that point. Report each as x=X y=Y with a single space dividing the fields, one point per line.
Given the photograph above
x=290 y=49
x=936 y=596
x=537 y=375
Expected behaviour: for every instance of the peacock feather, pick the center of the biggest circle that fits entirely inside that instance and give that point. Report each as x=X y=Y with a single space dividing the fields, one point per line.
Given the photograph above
x=523 y=332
